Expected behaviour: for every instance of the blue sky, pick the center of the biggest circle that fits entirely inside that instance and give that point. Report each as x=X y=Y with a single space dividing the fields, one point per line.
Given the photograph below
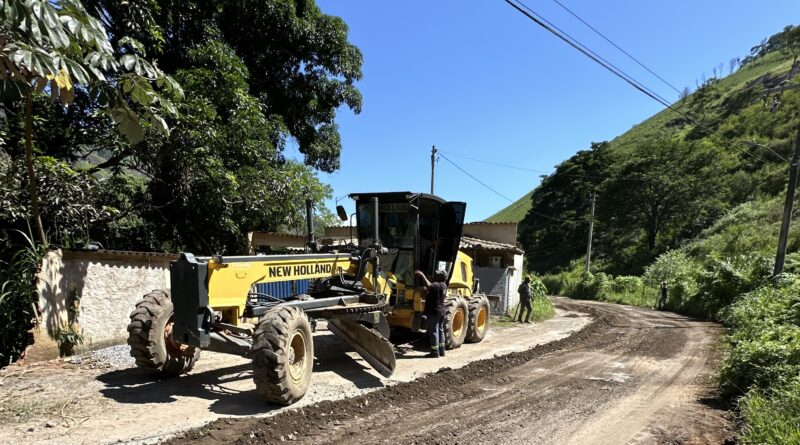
x=478 y=79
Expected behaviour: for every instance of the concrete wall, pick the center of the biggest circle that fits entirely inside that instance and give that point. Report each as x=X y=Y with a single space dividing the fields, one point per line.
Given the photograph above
x=503 y=282
x=107 y=283
x=497 y=232
x=514 y=280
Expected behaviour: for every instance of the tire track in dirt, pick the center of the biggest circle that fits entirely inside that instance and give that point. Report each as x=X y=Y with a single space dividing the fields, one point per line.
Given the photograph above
x=632 y=376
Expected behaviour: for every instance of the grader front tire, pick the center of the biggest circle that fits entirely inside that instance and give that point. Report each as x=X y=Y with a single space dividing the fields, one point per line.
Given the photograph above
x=478 y=319
x=150 y=337
x=283 y=355
x=455 y=323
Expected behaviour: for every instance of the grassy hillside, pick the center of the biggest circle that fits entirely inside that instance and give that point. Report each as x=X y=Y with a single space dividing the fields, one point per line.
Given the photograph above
x=747 y=78
x=514 y=212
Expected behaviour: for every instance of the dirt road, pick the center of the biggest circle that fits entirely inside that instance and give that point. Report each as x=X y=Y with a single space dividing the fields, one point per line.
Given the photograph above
x=101 y=398
x=632 y=376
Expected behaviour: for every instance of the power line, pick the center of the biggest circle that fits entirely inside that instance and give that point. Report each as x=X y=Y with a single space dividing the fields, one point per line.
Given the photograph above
x=476 y=179
x=617 y=46
x=496 y=192
x=555 y=173
x=541 y=21
x=575 y=43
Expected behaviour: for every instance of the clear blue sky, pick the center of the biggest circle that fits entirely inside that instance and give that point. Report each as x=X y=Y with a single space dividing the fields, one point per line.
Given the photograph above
x=476 y=78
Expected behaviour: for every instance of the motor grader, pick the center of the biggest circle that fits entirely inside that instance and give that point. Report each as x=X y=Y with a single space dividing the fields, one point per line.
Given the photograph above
x=229 y=303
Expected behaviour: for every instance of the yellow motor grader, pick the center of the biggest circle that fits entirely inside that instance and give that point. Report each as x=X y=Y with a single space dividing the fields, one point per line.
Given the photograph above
x=264 y=306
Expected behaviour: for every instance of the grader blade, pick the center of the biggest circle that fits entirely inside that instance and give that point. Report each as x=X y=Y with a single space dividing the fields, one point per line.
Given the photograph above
x=368 y=342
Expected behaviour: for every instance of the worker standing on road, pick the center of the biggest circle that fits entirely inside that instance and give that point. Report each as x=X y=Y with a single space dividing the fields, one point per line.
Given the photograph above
x=525 y=299
x=434 y=310
x=662 y=299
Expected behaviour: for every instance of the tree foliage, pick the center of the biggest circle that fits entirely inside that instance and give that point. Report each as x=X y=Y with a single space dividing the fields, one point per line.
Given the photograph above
x=256 y=75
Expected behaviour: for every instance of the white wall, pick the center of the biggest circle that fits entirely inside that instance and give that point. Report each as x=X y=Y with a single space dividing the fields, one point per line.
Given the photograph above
x=108 y=286
x=514 y=280
x=497 y=232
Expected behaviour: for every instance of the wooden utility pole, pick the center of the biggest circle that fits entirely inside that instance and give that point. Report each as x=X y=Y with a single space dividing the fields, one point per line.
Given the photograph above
x=780 y=256
x=433 y=166
x=591 y=229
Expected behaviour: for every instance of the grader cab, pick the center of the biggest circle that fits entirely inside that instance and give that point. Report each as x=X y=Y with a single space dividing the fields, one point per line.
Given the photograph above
x=223 y=303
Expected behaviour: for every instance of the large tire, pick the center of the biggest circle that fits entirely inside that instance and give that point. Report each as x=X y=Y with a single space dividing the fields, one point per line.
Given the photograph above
x=283 y=355
x=455 y=322
x=478 y=319
x=150 y=337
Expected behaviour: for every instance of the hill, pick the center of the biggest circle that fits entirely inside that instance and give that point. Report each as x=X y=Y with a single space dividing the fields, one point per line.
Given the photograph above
x=663 y=182
x=754 y=74
x=514 y=212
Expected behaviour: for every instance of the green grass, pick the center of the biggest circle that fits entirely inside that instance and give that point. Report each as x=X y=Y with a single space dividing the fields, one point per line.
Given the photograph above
x=542 y=310
x=514 y=212
x=772 y=416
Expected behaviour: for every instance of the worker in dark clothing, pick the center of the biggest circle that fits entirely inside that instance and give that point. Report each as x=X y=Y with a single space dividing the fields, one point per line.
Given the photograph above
x=662 y=299
x=525 y=300
x=434 y=310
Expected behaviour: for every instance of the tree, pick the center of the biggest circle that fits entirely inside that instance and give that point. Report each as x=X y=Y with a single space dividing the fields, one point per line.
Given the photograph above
x=790 y=45
x=554 y=230
x=221 y=172
x=56 y=46
x=667 y=193
x=304 y=68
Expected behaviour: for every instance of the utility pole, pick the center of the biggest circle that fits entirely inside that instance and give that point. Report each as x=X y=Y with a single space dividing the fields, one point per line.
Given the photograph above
x=591 y=229
x=433 y=166
x=787 y=207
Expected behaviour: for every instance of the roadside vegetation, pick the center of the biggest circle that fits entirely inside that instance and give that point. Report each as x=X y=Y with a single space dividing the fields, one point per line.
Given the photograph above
x=542 y=307
x=161 y=126
x=700 y=210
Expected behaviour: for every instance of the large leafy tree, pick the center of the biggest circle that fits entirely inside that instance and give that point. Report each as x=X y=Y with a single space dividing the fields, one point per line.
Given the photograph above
x=58 y=47
x=222 y=165
x=665 y=194
x=303 y=66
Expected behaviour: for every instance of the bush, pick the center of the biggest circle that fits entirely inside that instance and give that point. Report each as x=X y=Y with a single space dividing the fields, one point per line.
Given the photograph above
x=725 y=280
x=765 y=337
x=679 y=271
x=554 y=283
x=772 y=416
x=17 y=297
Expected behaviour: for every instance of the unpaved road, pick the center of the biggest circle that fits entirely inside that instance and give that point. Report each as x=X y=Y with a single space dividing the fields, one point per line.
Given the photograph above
x=632 y=376
x=101 y=398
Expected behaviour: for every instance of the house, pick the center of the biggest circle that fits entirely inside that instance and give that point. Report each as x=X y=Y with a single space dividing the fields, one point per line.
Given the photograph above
x=498 y=261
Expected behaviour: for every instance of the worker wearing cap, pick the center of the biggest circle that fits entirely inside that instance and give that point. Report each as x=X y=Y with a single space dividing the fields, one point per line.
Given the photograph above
x=434 y=309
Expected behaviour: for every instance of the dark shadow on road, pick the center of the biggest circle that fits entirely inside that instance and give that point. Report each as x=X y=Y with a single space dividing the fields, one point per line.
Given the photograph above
x=331 y=355
x=139 y=387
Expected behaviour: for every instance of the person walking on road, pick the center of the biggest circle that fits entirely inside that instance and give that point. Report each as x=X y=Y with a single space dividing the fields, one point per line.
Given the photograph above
x=525 y=300
x=662 y=299
x=434 y=310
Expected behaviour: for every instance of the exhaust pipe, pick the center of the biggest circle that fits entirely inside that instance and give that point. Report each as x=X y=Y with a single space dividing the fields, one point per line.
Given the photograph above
x=311 y=241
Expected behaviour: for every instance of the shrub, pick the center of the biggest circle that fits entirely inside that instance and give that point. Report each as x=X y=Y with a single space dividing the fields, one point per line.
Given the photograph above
x=679 y=271
x=765 y=337
x=772 y=416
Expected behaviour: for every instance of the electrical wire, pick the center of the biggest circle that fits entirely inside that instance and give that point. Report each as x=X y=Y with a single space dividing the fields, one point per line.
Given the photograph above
x=496 y=192
x=542 y=22
x=476 y=179
x=575 y=43
x=602 y=178
x=617 y=46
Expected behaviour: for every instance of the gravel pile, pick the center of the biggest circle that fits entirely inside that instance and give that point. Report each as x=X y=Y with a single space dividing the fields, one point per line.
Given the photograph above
x=118 y=356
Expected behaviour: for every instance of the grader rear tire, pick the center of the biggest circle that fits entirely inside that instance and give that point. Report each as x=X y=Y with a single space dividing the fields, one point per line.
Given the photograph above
x=150 y=337
x=478 y=319
x=455 y=322
x=283 y=355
